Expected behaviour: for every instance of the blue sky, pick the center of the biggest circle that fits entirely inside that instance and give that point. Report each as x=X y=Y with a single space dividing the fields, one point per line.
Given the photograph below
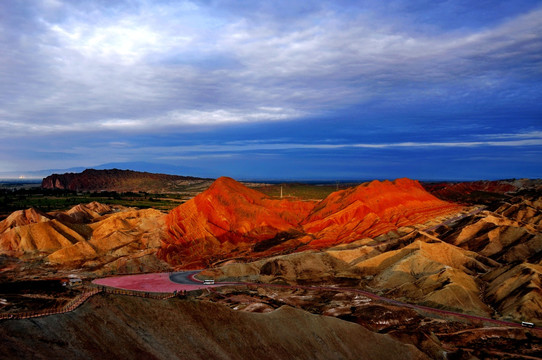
x=274 y=89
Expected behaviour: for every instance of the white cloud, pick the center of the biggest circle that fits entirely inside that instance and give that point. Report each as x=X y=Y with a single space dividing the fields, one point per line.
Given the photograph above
x=277 y=146
x=521 y=135
x=197 y=118
x=156 y=66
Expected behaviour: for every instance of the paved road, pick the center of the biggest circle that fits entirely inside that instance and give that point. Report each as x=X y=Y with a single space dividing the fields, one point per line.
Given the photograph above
x=157 y=283
x=184 y=280
x=398 y=303
x=184 y=277
x=187 y=278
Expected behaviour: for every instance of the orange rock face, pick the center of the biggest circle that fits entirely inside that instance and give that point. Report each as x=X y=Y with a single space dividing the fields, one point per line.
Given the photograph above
x=225 y=220
x=371 y=209
x=22 y=218
x=91 y=235
x=230 y=220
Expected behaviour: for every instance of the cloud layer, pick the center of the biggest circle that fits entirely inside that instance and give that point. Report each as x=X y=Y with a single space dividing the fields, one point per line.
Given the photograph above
x=160 y=71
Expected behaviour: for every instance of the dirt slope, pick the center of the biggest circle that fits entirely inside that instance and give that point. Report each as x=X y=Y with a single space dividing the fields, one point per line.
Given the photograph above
x=516 y=291
x=98 y=237
x=22 y=218
x=128 y=327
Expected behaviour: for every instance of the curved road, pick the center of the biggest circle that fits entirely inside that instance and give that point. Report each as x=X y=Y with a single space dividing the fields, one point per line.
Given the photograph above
x=188 y=278
x=184 y=277
x=155 y=283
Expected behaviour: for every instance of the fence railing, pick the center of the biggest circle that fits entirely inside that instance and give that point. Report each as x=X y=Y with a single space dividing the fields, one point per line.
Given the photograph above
x=70 y=306
x=149 y=295
x=80 y=299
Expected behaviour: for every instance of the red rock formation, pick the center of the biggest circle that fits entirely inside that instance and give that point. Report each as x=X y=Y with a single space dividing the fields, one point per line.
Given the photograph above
x=371 y=209
x=465 y=192
x=226 y=219
x=230 y=220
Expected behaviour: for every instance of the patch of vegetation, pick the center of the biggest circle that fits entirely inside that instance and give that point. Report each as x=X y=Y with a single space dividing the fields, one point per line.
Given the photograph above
x=50 y=200
x=35 y=295
x=302 y=191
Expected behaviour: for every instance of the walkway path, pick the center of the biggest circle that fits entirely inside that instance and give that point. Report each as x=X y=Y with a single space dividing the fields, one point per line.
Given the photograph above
x=157 y=283
x=70 y=306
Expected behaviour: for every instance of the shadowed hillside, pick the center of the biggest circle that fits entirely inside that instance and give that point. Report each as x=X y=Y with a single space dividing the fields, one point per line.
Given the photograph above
x=122 y=181
x=124 y=327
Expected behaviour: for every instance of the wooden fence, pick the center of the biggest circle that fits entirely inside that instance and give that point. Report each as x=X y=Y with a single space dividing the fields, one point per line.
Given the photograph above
x=70 y=306
x=80 y=299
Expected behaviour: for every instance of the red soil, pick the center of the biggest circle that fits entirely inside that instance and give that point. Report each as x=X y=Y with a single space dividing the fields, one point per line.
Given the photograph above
x=148 y=283
x=230 y=220
x=460 y=191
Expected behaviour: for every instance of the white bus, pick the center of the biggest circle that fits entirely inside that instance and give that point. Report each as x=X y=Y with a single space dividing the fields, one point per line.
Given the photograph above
x=527 y=324
x=208 y=282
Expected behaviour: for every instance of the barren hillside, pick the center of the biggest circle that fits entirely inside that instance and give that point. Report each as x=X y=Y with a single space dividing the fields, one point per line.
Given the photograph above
x=122 y=181
x=96 y=237
x=127 y=327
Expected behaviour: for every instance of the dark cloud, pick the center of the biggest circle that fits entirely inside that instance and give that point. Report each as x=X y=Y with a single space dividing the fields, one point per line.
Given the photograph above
x=100 y=73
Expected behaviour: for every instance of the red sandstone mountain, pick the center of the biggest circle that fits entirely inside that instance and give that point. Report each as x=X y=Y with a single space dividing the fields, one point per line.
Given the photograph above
x=475 y=261
x=371 y=209
x=225 y=221
x=230 y=220
x=476 y=192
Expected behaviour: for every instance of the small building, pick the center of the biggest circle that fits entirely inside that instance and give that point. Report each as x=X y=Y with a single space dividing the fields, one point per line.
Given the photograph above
x=75 y=282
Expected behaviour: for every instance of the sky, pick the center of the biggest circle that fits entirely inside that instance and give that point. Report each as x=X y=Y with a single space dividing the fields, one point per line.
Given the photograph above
x=285 y=90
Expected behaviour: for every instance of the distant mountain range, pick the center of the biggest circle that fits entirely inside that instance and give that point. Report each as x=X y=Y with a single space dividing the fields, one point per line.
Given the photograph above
x=142 y=166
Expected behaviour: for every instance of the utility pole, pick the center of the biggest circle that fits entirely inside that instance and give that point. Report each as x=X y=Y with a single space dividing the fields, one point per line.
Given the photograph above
x=281 y=191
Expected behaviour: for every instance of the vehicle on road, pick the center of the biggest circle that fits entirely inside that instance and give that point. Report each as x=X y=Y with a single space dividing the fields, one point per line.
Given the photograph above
x=208 y=282
x=527 y=324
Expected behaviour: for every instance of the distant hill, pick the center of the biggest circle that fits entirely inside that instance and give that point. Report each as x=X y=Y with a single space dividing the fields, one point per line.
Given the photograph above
x=486 y=192
x=122 y=181
x=142 y=166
